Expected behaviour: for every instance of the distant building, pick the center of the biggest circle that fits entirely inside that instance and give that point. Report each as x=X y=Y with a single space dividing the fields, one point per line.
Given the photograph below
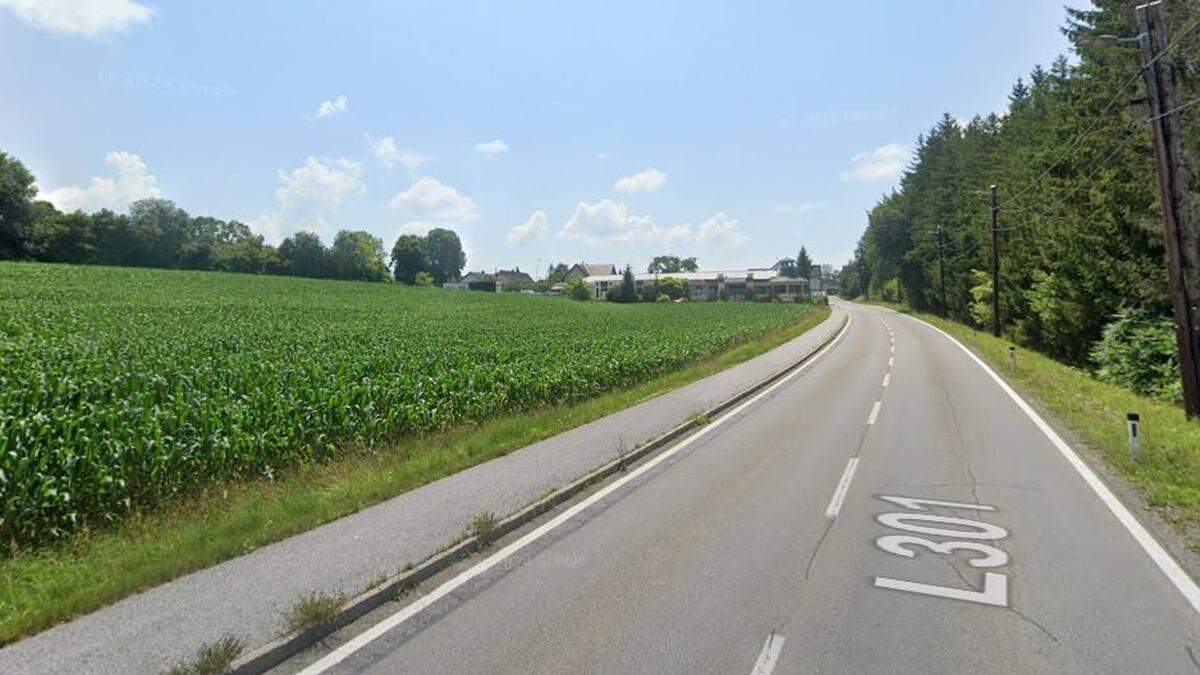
x=753 y=284
x=513 y=279
x=473 y=281
x=582 y=270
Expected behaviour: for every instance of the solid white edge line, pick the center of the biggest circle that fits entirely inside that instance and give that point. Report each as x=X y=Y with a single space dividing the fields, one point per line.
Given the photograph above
x=843 y=486
x=769 y=655
x=874 y=413
x=407 y=612
x=1184 y=583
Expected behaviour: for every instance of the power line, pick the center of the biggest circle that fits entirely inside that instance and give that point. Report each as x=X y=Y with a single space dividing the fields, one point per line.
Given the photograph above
x=1107 y=108
x=1172 y=111
x=1091 y=171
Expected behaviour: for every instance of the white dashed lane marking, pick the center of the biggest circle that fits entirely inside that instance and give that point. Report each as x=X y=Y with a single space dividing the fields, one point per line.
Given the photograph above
x=769 y=655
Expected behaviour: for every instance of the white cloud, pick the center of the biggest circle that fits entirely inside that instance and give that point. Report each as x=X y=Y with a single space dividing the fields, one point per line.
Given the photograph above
x=645 y=182
x=534 y=227
x=319 y=184
x=308 y=194
x=421 y=227
x=798 y=209
x=721 y=230
x=676 y=235
x=133 y=181
x=492 y=147
x=431 y=199
x=883 y=163
x=80 y=17
x=602 y=155
x=609 y=222
x=269 y=225
x=385 y=151
x=332 y=106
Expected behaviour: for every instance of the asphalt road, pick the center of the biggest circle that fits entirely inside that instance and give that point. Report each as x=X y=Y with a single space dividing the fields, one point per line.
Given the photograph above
x=766 y=544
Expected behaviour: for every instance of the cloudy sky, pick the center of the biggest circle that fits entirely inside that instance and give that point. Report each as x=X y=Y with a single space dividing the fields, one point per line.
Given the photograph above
x=551 y=131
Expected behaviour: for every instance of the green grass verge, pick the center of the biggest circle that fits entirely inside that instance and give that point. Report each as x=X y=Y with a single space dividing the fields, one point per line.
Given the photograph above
x=39 y=589
x=1093 y=412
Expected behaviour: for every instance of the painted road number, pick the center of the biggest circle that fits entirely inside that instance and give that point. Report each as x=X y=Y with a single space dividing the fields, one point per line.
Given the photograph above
x=963 y=534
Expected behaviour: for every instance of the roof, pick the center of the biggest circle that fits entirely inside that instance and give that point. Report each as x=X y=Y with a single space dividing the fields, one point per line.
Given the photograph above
x=596 y=269
x=508 y=274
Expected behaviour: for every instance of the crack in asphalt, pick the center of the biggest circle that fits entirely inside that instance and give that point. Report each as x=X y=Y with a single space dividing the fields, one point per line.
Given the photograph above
x=1034 y=623
x=829 y=525
x=1192 y=655
x=817 y=549
x=959 y=445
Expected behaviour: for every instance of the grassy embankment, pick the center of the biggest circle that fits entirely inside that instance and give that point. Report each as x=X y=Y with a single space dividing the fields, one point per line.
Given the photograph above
x=1093 y=413
x=42 y=585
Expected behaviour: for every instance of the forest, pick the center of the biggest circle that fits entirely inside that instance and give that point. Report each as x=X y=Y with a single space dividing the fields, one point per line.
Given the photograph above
x=1082 y=270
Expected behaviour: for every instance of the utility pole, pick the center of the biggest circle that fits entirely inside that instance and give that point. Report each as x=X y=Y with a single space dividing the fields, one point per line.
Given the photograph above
x=995 y=266
x=942 y=271
x=1179 y=233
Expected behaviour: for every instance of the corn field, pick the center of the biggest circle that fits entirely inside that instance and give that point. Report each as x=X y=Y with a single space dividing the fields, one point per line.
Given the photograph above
x=120 y=388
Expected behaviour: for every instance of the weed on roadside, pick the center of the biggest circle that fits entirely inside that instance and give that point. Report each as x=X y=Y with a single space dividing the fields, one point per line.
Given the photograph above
x=314 y=610
x=211 y=659
x=483 y=529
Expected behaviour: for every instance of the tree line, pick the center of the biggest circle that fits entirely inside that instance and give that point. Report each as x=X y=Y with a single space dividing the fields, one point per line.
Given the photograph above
x=1079 y=227
x=157 y=233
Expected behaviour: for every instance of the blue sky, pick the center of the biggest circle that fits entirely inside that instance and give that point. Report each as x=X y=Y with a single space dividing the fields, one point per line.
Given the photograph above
x=607 y=131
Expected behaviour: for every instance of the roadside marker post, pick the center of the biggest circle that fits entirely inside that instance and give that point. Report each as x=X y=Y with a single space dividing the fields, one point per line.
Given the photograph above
x=1012 y=358
x=1133 y=420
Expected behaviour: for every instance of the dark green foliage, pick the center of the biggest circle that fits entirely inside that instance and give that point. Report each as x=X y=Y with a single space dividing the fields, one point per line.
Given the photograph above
x=557 y=273
x=157 y=233
x=663 y=264
x=444 y=255
x=673 y=288
x=803 y=264
x=577 y=290
x=1140 y=352
x=357 y=255
x=1080 y=234
x=303 y=255
x=626 y=291
x=16 y=196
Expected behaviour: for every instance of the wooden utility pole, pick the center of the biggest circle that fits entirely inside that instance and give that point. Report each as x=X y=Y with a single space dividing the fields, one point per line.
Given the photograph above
x=1179 y=226
x=995 y=266
x=942 y=271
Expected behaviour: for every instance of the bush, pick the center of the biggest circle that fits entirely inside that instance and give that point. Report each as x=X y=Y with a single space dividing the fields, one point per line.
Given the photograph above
x=577 y=290
x=673 y=288
x=1139 y=352
x=649 y=292
x=664 y=298
x=423 y=279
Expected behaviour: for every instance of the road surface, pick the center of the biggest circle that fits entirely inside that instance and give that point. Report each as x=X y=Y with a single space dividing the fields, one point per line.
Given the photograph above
x=890 y=508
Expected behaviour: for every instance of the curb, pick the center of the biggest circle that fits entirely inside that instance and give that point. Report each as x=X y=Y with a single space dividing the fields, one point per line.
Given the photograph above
x=275 y=652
